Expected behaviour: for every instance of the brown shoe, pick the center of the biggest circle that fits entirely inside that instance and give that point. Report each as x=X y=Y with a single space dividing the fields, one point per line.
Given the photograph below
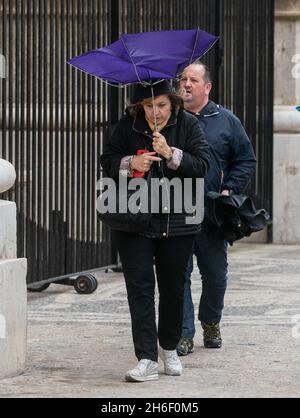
x=185 y=346
x=212 y=335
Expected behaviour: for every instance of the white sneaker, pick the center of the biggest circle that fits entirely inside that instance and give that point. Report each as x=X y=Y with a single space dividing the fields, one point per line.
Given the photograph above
x=145 y=370
x=171 y=361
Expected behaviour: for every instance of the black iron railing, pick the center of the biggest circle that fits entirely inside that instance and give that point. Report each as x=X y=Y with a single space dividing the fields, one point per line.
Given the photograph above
x=55 y=119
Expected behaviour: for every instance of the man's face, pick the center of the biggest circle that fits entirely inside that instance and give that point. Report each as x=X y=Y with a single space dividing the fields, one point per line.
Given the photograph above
x=193 y=88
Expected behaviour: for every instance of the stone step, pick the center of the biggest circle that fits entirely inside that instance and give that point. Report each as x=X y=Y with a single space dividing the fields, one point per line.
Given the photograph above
x=13 y=316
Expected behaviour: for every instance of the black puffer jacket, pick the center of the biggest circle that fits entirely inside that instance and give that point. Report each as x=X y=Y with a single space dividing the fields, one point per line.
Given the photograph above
x=182 y=131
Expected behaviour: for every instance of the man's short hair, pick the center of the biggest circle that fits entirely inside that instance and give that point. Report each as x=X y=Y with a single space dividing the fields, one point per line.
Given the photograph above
x=207 y=74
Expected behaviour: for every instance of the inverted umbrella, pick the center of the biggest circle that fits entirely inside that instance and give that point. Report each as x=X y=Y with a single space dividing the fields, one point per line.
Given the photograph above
x=234 y=217
x=143 y=56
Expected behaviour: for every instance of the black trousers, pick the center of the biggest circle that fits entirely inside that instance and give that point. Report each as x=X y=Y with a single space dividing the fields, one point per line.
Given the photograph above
x=170 y=255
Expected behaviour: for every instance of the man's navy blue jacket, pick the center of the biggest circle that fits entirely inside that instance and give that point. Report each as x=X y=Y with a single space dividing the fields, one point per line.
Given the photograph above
x=232 y=157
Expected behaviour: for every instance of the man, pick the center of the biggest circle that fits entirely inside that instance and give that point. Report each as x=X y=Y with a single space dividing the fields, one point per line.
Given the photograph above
x=232 y=164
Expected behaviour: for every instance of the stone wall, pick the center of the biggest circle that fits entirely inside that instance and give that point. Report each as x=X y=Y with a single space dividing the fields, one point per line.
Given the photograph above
x=13 y=292
x=286 y=213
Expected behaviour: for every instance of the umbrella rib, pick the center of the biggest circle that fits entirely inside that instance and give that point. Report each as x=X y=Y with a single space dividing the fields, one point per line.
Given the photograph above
x=195 y=43
x=133 y=63
x=191 y=60
x=118 y=85
x=99 y=78
x=216 y=40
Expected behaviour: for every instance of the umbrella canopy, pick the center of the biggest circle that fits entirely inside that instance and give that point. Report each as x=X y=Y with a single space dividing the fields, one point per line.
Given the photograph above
x=143 y=56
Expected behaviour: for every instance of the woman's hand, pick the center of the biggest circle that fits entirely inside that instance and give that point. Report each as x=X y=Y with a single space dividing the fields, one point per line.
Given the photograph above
x=144 y=161
x=161 y=146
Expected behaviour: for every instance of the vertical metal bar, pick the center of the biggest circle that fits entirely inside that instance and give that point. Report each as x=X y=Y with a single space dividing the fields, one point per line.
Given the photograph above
x=10 y=78
x=259 y=96
x=217 y=54
x=57 y=167
x=68 y=137
x=78 y=146
x=24 y=175
x=99 y=105
x=52 y=245
x=4 y=81
x=269 y=70
x=16 y=119
x=90 y=194
x=93 y=155
x=83 y=144
x=33 y=149
x=46 y=159
x=113 y=98
x=101 y=102
x=74 y=79
x=228 y=73
x=105 y=34
x=29 y=234
x=61 y=101
x=221 y=46
x=240 y=28
x=40 y=144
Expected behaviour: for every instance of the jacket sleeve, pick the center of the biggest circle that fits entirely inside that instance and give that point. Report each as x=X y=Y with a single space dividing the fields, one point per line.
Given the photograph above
x=242 y=159
x=195 y=157
x=115 y=150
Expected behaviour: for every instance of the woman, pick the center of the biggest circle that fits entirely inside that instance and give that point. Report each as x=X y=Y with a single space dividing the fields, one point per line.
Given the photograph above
x=175 y=149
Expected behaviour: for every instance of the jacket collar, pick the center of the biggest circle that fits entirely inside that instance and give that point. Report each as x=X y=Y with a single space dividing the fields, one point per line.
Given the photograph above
x=140 y=124
x=211 y=109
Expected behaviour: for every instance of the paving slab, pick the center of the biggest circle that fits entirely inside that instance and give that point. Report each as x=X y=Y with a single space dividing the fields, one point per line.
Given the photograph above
x=80 y=345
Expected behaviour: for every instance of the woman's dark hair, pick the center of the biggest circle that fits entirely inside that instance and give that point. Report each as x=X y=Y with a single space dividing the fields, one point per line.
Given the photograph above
x=137 y=108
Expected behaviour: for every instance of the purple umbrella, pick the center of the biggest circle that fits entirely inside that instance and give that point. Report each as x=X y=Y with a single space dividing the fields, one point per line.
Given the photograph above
x=143 y=56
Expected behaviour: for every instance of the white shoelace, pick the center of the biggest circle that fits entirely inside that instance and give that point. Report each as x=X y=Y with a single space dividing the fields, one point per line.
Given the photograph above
x=171 y=357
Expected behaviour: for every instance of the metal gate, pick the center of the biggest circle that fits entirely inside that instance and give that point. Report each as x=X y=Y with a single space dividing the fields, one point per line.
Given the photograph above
x=53 y=119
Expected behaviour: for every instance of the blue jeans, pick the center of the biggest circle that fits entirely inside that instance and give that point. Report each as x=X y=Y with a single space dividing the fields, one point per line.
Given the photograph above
x=211 y=254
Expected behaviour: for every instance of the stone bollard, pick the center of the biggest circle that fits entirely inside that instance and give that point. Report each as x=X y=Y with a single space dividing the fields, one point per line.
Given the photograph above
x=7 y=175
x=13 y=292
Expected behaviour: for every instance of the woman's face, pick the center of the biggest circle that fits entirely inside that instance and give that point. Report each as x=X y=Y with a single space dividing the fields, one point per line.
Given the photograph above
x=161 y=107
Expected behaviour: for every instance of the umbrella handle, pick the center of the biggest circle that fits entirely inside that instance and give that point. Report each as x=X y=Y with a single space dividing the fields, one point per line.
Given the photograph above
x=155 y=121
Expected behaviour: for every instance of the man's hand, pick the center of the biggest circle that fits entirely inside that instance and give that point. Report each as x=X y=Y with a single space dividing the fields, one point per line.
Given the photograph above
x=144 y=161
x=225 y=193
x=161 y=146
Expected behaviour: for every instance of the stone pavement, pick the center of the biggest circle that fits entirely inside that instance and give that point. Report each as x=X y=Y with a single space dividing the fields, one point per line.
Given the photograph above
x=80 y=345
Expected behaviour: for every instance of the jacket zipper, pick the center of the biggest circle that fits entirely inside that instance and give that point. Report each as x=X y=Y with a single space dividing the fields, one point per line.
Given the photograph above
x=149 y=136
